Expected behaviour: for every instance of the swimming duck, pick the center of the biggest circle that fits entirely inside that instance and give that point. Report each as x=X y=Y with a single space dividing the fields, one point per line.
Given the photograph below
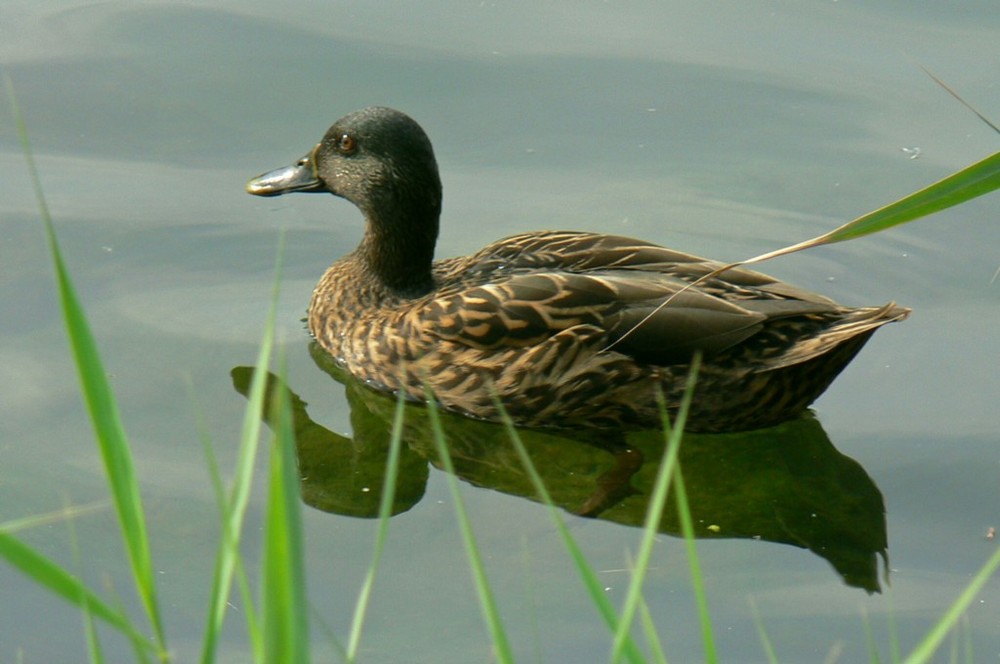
x=562 y=326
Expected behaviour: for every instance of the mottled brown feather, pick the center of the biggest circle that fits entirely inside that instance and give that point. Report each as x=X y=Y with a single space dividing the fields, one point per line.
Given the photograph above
x=564 y=327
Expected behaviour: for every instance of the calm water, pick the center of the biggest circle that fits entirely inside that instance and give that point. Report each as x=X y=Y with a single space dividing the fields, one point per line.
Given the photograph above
x=724 y=129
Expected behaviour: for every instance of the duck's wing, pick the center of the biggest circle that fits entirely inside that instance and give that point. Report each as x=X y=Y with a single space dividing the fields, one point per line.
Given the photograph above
x=577 y=251
x=583 y=252
x=526 y=309
x=526 y=288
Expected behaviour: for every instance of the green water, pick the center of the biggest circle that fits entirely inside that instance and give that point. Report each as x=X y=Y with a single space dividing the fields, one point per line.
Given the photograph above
x=724 y=129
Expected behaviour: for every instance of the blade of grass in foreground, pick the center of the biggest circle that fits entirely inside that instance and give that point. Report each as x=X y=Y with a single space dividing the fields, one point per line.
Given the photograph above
x=657 y=501
x=234 y=509
x=765 y=640
x=67 y=513
x=102 y=407
x=894 y=652
x=384 y=513
x=590 y=580
x=926 y=649
x=48 y=574
x=687 y=528
x=653 y=640
x=869 y=637
x=94 y=653
x=283 y=603
x=486 y=601
x=962 y=101
x=217 y=602
x=971 y=182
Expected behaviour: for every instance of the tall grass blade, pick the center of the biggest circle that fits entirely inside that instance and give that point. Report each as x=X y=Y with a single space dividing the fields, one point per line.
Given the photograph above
x=384 y=513
x=283 y=604
x=687 y=527
x=953 y=653
x=925 y=650
x=967 y=640
x=590 y=579
x=326 y=631
x=210 y=644
x=971 y=182
x=765 y=640
x=652 y=638
x=976 y=180
x=101 y=405
x=234 y=508
x=34 y=521
x=487 y=602
x=657 y=501
x=873 y=655
x=894 y=652
x=48 y=574
x=960 y=100
x=212 y=630
x=94 y=654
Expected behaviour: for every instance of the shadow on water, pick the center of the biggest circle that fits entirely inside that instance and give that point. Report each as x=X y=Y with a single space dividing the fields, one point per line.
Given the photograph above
x=786 y=484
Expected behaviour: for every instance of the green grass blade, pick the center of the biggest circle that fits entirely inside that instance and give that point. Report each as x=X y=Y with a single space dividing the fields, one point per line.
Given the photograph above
x=48 y=518
x=234 y=508
x=283 y=606
x=228 y=563
x=970 y=656
x=894 y=652
x=654 y=515
x=925 y=650
x=384 y=513
x=968 y=183
x=94 y=654
x=873 y=655
x=765 y=640
x=962 y=101
x=102 y=407
x=652 y=637
x=953 y=653
x=48 y=574
x=212 y=628
x=687 y=527
x=320 y=623
x=589 y=577
x=976 y=180
x=216 y=601
x=971 y=182
x=487 y=603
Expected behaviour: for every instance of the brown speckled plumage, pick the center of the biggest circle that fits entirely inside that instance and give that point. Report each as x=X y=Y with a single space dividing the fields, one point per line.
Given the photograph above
x=531 y=317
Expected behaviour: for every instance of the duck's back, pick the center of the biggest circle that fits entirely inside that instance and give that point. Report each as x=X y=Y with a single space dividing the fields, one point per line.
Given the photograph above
x=570 y=329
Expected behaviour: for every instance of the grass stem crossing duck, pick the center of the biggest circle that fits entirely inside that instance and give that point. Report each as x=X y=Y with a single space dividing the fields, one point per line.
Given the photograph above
x=563 y=326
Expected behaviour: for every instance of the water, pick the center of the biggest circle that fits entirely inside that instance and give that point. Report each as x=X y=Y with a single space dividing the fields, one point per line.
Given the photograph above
x=725 y=130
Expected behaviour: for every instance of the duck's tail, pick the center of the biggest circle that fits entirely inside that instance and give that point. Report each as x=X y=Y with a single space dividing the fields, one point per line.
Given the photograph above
x=855 y=326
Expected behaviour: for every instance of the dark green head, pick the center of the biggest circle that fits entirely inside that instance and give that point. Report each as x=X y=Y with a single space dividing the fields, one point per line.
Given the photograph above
x=382 y=161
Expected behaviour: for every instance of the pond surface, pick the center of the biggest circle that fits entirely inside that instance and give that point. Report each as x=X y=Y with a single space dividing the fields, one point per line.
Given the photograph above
x=725 y=129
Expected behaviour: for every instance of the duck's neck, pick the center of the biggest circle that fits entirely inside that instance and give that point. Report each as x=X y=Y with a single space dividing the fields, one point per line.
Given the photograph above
x=398 y=249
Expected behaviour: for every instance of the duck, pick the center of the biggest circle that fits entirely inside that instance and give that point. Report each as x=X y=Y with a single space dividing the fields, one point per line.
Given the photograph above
x=552 y=328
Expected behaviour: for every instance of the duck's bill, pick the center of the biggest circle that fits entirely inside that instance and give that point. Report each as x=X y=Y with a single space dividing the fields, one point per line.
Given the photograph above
x=300 y=176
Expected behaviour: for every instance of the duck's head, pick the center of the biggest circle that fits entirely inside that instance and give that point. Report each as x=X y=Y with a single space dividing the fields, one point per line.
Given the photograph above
x=382 y=161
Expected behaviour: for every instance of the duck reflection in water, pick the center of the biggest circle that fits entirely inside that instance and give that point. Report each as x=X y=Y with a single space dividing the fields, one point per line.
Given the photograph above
x=786 y=484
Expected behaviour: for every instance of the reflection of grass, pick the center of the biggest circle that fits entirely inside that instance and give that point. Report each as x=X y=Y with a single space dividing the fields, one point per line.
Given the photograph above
x=277 y=623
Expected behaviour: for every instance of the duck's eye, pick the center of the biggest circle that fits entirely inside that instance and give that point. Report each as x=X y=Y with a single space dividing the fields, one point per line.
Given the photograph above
x=346 y=144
